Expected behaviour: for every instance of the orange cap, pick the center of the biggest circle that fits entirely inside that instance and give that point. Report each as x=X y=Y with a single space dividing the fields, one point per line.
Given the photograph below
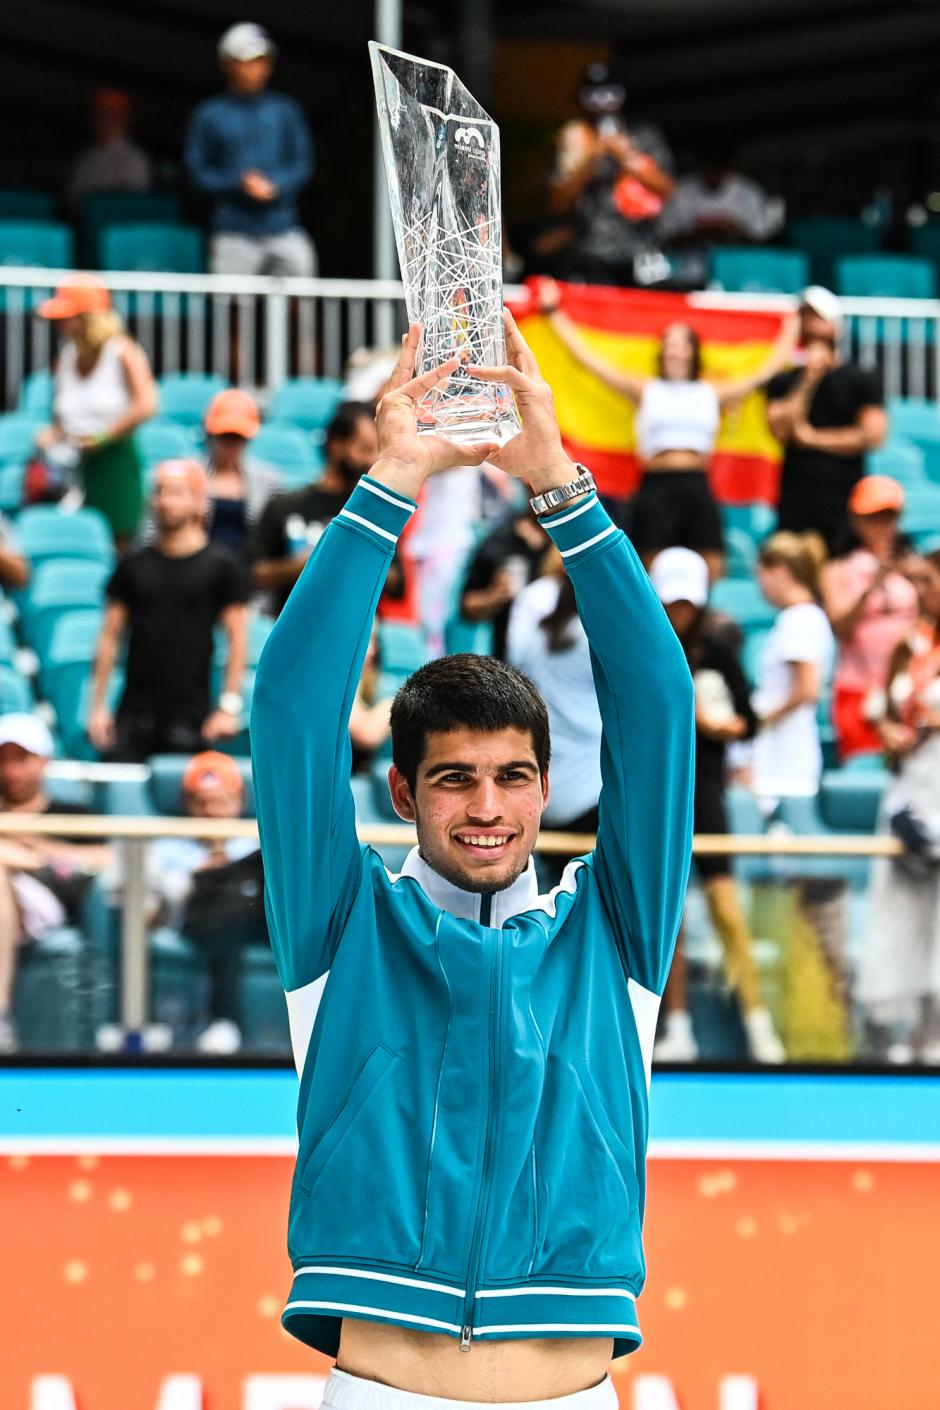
x=82 y=293
x=876 y=493
x=210 y=764
x=233 y=413
x=189 y=470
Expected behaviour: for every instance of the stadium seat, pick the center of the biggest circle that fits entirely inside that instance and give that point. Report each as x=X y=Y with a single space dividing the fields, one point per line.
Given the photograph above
x=152 y=246
x=35 y=399
x=60 y=586
x=760 y=270
x=753 y=650
x=27 y=205
x=826 y=238
x=921 y=515
x=901 y=458
x=164 y=440
x=49 y=999
x=184 y=396
x=288 y=449
x=741 y=555
x=43 y=531
x=886 y=277
x=11 y=487
x=307 y=402
x=262 y=1011
x=106 y=208
x=15 y=693
x=17 y=437
x=742 y=600
x=849 y=800
x=755 y=519
x=43 y=243
x=402 y=648
x=166 y=782
x=910 y=416
x=65 y=671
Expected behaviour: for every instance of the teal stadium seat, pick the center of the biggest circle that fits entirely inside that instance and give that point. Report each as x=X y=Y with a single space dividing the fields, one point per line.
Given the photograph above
x=886 y=277
x=35 y=399
x=15 y=692
x=184 y=396
x=65 y=673
x=262 y=1011
x=43 y=243
x=756 y=519
x=307 y=402
x=402 y=649
x=27 y=205
x=760 y=270
x=60 y=586
x=741 y=554
x=289 y=450
x=827 y=238
x=106 y=208
x=742 y=600
x=166 y=782
x=850 y=799
x=18 y=437
x=49 y=998
x=43 y=532
x=152 y=246
x=921 y=515
x=164 y=440
x=900 y=458
x=11 y=487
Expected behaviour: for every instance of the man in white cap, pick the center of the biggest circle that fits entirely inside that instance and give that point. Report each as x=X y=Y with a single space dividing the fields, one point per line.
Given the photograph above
x=42 y=878
x=828 y=414
x=250 y=151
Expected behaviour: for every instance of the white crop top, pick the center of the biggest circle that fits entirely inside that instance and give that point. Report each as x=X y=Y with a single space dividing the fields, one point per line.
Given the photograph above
x=89 y=406
x=677 y=416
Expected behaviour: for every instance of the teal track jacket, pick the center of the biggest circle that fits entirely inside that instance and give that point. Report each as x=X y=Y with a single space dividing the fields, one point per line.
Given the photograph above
x=474 y=1070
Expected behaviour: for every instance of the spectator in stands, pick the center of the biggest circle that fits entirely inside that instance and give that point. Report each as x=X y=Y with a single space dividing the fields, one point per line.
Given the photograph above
x=723 y=714
x=828 y=414
x=719 y=206
x=546 y=640
x=42 y=878
x=168 y=598
x=899 y=975
x=678 y=418
x=113 y=162
x=239 y=488
x=292 y=523
x=871 y=605
x=787 y=757
x=14 y=568
x=610 y=179
x=104 y=390
x=250 y=151
x=213 y=892
x=508 y=558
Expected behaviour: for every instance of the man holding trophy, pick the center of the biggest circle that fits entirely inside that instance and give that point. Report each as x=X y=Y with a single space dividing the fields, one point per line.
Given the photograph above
x=467 y=1204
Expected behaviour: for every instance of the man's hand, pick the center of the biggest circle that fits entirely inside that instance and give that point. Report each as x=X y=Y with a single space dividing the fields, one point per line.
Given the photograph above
x=536 y=454
x=220 y=725
x=101 y=729
x=258 y=186
x=406 y=459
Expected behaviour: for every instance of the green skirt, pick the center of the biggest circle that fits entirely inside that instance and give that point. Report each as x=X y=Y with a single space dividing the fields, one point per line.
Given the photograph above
x=113 y=479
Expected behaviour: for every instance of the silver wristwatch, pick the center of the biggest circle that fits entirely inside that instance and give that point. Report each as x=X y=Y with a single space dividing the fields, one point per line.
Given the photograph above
x=551 y=499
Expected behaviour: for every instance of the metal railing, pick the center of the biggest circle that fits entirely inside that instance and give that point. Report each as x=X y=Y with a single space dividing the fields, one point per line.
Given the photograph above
x=259 y=330
x=136 y=832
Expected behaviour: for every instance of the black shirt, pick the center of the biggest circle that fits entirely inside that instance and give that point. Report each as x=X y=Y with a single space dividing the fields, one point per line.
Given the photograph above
x=835 y=403
x=292 y=522
x=173 y=605
x=496 y=550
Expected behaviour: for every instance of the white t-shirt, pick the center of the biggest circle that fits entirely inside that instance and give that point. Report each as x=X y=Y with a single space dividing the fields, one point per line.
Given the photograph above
x=787 y=759
x=566 y=683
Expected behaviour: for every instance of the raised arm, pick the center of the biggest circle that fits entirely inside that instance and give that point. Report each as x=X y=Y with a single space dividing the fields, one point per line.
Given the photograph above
x=643 y=688
x=628 y=384
x=779 y=357
x=306 y=684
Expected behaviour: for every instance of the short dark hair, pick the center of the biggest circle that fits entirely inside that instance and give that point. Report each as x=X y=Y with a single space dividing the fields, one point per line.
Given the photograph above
x=465 y=692
x=346 y=418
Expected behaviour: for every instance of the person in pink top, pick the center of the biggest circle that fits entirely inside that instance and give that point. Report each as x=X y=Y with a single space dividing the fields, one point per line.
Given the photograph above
x=871 y=605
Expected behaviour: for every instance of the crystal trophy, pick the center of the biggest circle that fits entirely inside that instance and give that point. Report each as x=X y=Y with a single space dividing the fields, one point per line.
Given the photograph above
x=441 y=154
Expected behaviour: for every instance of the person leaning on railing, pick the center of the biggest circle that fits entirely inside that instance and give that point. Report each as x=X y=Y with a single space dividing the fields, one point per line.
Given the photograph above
x=899 y=975
x=104 y=390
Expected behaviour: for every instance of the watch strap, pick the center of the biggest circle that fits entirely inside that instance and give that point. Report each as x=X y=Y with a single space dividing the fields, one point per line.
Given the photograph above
x=560 y=494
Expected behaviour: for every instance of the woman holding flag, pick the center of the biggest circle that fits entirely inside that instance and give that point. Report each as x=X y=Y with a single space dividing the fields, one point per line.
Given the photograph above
x=678 y=418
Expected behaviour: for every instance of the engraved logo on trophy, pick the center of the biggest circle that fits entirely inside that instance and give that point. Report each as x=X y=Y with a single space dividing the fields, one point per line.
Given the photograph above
x=441 y=153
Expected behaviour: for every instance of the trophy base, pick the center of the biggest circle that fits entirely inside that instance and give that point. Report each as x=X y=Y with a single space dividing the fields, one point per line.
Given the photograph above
x=468 y=419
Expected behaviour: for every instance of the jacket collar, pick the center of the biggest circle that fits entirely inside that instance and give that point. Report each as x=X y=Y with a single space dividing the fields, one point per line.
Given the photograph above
x=468 y=905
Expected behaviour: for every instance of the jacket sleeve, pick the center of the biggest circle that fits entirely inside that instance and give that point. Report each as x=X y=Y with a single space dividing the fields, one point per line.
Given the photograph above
x=301 y=754
x=645 y=695
x=200 y=159
x=295 y=167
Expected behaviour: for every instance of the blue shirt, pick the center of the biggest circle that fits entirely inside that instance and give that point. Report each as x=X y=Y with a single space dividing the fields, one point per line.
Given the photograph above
x=230 y=135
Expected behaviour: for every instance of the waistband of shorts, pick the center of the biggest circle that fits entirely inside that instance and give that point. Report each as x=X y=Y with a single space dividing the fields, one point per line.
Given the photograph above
x=347 y=1392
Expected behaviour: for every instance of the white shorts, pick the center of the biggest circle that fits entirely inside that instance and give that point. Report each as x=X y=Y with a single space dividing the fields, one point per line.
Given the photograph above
x=346 y=1392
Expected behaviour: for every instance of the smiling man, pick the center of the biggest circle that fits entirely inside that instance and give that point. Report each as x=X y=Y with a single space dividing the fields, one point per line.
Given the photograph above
x=475 y=1067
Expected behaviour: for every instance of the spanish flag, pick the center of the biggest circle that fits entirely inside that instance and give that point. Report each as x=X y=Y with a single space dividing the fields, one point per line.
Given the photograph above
x=624 y=326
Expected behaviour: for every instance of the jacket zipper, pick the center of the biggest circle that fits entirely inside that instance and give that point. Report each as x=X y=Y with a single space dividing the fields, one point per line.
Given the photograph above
x=476 y=1244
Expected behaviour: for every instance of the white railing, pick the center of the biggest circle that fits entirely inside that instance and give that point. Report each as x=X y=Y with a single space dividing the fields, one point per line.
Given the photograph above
x=258 y=330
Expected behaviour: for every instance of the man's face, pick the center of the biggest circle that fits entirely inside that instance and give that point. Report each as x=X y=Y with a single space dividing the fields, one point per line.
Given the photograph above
x=818 y=334
x=477 y=805
x=356 y=454
x=211 y=798
x=248 y=75
x=21 y=774
x=175 y=502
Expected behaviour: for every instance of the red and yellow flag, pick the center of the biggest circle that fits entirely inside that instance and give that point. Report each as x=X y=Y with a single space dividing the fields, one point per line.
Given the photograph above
x=624 y=327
